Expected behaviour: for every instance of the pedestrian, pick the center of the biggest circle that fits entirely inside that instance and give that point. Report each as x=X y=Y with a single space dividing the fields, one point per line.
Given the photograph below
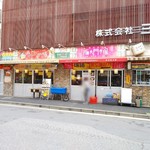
x=86 y=89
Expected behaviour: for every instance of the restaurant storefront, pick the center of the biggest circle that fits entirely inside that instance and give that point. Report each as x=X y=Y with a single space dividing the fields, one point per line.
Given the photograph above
x=26 y=69
x=104 y=67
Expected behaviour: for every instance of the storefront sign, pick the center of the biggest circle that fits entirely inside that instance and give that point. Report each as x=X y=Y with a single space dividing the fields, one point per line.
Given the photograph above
x=138 y=49
x=68 y=66
x=62 y=55
x=5 y=67
x=35 y=66
x=105 y=65
x=25 y=54
x=97 y=51
x=140 y=65
x=143 y=29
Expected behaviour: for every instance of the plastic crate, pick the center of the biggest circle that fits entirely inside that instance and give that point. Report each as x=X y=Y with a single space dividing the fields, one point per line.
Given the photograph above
x=56 y=90
x=110 y=101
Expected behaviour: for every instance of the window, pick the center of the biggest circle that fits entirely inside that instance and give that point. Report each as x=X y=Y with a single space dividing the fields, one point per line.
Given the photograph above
x=76 y=77
x=116 y=79
x=28 y=77
x=103 y=78
x=38 y=77
x=18 y=77
x=109 y=78
x=141 y=77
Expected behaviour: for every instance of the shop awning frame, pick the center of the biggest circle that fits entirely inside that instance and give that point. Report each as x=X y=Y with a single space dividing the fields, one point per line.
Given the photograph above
x=138 y=58
x=29 y=61
x=113 y=59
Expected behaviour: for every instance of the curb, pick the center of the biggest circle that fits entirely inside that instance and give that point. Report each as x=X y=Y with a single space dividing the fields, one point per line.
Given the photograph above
x=84 y=110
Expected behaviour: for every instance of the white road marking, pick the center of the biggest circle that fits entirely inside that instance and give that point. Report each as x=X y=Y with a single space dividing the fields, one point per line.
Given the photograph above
x=74 y=112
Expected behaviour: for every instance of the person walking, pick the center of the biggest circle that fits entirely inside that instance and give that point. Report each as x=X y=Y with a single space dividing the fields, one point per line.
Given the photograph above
x=86 y=89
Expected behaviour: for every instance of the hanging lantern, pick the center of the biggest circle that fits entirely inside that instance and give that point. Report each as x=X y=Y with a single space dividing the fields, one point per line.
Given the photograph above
x=116 y=71
x=101 y=71
x=36 y=71
x=26 y=71
x=89 y=70
x=73 y=71
x=17 y=70
x=46 y=70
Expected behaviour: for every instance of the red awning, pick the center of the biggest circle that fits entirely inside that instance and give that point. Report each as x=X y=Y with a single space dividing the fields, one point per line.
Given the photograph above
x=122 y=59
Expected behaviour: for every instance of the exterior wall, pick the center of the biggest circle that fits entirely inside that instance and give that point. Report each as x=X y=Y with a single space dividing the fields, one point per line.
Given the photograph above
x=62 y=77
x=8 y=87
x=36 y=22
x=143 y=91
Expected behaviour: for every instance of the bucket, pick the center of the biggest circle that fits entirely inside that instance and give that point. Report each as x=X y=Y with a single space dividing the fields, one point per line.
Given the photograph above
x=138 y=102
x=93 y=100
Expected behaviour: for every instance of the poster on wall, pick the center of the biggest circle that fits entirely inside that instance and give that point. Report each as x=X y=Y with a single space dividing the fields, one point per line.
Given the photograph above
x=7 y=77
x=90 y=75
x=92 y=78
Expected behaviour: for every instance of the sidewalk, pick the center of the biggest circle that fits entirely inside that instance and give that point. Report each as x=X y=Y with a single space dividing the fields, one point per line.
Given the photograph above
x=80 y=107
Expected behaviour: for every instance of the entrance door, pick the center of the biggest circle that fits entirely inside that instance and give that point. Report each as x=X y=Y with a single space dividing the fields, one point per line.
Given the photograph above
x=109 y=82
x=1 y=81
x=77 y=78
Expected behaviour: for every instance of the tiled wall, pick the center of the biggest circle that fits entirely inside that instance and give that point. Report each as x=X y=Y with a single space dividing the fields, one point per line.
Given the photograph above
x=8 y=87
x=62 y=77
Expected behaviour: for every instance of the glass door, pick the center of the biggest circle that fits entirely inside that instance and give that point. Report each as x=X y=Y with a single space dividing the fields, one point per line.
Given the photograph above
x=109 y=82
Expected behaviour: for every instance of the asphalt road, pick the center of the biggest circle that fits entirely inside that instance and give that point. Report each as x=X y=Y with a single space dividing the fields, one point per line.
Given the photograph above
x=23 y=128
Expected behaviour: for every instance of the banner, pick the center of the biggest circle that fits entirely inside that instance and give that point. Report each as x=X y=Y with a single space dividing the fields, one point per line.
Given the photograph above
x=97 y=51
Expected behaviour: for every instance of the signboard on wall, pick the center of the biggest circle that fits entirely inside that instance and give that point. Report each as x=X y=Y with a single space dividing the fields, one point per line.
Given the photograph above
x=140 y=65
x=97 y=51
x=35 y=66
x=143 y=29
x=104 y=65
x=138 y=49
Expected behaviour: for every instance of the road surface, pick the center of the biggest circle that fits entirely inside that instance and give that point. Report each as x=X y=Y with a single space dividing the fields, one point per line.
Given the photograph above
x=27 y=128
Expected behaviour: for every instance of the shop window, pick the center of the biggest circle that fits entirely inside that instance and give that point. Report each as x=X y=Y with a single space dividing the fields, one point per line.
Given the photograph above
x=48 y=75
x=134 y=77
x=116 y=78
x=18 y=77
x=38 y=76
x=103 y=78
x=76 y=77
x=28 y=77
x=141 y=77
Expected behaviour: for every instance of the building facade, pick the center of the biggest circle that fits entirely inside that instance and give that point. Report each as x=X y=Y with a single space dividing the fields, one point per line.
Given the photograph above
x=106 y=41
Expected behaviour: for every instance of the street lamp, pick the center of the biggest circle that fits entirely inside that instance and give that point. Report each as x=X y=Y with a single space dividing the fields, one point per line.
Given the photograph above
x=12 y=49
x=81 y=44
x=102 y=43
x=60 y=45
x=25 y=47
x=43 y=46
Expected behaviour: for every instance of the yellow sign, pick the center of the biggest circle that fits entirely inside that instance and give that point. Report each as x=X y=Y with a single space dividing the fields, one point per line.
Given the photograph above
x=128 y=79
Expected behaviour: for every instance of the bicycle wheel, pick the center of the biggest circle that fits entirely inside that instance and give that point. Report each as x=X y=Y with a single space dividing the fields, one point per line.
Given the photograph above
x=66 y=97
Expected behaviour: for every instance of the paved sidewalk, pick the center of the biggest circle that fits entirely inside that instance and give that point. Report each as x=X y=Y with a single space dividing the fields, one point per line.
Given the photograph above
x=80 y=106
